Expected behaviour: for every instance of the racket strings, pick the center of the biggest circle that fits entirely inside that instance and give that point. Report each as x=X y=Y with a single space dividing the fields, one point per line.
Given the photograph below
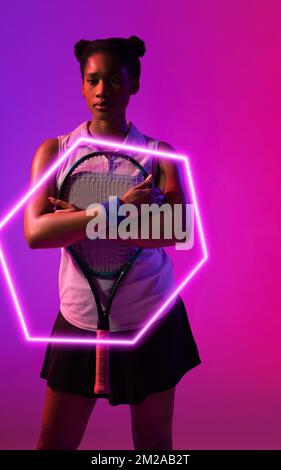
x=93 y=181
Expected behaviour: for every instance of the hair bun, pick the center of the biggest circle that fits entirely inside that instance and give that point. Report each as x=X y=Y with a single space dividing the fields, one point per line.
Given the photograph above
x=137 y=44
x=79 y=48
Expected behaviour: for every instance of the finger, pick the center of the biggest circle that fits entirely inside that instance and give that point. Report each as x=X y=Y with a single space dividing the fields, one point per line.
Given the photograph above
x=53 y=200
x=64 y=210
x=144 y=183
x=58 y=202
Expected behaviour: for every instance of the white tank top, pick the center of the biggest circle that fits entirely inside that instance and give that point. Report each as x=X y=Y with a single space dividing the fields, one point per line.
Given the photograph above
x=150 y=279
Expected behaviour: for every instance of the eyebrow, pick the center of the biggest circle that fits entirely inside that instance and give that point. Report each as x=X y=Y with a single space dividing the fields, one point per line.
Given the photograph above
x=94 y=74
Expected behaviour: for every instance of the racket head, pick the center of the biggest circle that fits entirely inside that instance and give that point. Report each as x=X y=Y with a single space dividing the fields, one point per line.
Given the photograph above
x=91 y=180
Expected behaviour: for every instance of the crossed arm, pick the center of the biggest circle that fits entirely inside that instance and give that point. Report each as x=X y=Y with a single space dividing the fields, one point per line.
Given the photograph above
x=44 y=228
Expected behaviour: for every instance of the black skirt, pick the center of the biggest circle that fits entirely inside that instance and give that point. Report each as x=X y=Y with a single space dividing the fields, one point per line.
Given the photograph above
x=157 y=363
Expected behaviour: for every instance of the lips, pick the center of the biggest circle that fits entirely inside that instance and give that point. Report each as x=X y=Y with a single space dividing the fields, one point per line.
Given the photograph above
x=102 y=107
x=102 y=104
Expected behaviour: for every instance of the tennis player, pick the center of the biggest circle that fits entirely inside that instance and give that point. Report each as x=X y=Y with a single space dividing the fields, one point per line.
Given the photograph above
x=145 y=376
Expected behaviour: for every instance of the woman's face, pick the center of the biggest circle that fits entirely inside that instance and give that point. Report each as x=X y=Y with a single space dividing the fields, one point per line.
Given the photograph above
x=107 y=81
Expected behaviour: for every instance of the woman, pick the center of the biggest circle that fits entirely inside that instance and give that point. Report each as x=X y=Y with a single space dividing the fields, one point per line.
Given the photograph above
x=144 y=377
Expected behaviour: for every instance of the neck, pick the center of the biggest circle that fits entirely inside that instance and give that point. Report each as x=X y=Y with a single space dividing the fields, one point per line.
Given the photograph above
x=116 y=129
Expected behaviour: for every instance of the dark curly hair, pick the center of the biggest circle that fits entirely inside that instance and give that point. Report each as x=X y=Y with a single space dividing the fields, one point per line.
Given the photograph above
x=127 y=51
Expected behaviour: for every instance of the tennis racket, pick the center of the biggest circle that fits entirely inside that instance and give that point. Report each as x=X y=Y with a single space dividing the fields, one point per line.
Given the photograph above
x=92 y=179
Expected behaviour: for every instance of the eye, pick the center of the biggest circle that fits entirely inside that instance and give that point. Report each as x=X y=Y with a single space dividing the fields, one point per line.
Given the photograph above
x=93 y=81
x=115 y=79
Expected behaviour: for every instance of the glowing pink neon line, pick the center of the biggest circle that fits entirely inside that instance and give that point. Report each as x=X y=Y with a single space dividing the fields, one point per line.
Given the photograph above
x=175 y=293
x=79 y=341
x=133 y=148
x=166 y=303
x=13 y=294
x=196 y=210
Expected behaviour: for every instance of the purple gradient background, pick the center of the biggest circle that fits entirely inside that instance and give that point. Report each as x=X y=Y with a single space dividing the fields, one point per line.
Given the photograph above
x=220 y=62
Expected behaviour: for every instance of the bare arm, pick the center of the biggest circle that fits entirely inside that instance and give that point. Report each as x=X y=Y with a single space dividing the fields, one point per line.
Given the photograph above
x=172 y=184
x=43 y=228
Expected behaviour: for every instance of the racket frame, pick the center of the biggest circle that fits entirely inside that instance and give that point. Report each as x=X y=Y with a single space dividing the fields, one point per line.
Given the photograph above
x=102 y=385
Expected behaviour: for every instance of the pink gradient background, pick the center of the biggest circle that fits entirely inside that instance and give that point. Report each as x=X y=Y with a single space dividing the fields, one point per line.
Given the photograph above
x=221 y=63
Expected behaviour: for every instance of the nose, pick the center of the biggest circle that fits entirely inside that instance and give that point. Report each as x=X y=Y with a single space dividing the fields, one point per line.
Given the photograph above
x=102 y=89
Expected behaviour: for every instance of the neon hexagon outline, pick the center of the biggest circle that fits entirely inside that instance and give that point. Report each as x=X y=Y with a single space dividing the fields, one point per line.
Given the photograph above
x=34 y=188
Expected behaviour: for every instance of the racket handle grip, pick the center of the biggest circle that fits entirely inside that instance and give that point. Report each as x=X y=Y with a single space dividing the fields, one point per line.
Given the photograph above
x=102 y=364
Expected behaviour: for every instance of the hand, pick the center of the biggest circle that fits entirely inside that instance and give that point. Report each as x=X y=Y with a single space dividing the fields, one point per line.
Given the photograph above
x=143 y=194
x=67 y=206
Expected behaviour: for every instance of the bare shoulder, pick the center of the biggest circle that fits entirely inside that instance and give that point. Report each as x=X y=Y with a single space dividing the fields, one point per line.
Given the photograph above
x=166 y=147
x=45 y=154
x=171 y=171
x=50 y=144
x=168 y=165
